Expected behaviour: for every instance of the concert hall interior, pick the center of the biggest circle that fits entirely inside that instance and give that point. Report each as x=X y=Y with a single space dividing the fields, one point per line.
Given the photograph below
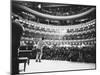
x=69 y=33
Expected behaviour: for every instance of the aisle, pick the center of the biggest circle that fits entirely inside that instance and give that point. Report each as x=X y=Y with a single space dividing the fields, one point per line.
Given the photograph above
x=49 y=65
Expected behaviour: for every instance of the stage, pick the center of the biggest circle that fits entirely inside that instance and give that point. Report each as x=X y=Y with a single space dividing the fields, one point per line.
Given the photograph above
x=50 y=65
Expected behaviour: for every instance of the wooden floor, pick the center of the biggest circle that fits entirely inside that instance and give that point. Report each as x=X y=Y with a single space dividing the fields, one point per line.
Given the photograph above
x=49 y=65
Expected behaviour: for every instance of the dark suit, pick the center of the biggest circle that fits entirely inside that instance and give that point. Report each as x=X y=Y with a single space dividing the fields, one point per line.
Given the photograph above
x=16 y=35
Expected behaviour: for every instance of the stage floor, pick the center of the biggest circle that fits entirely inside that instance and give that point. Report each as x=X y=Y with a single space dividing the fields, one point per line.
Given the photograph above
x=50 y=65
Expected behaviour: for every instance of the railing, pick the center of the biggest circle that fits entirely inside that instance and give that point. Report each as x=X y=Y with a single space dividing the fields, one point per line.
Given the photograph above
x=56 y=30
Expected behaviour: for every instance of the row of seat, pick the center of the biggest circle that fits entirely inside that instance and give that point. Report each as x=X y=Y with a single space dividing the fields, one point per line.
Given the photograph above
x=85 y=54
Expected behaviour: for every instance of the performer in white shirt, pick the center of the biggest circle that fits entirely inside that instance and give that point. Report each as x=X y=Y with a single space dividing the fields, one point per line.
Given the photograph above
x=39 y=50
